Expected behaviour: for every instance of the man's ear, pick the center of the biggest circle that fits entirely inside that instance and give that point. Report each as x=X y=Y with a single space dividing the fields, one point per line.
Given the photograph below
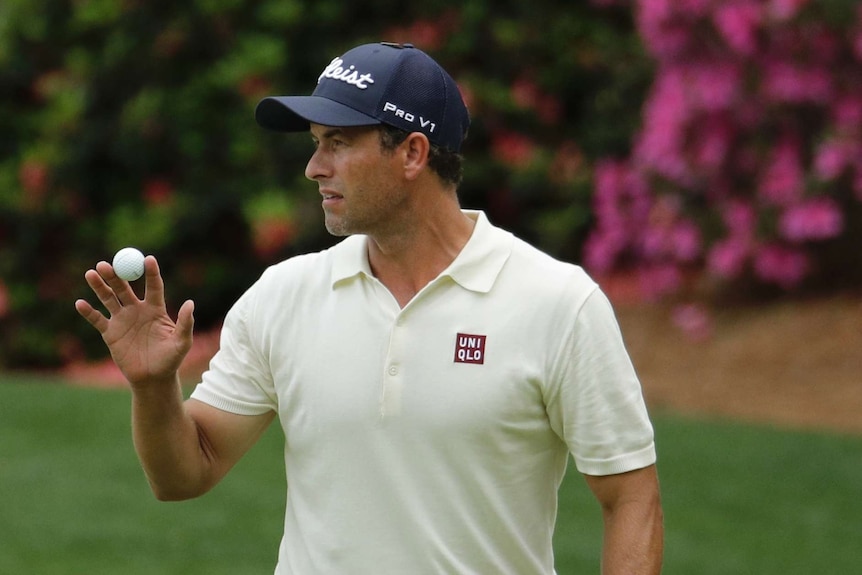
x=415 y=151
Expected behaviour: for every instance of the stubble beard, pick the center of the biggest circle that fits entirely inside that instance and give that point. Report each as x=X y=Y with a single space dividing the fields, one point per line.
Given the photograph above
x=336 y=226
x=376 y=214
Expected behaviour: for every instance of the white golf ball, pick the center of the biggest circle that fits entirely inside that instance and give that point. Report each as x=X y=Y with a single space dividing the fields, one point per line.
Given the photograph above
x=129 y=264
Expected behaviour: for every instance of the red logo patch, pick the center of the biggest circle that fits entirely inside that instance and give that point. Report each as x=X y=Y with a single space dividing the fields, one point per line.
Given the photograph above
x=469 y=348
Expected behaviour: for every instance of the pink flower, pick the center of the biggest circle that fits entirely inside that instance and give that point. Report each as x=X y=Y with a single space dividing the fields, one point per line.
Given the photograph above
x=712 y=143
x=786 y=82
x=693 y=320
x=726 y=258
x=779 y=265
x=782 y=181
x=823 y=44
x=740 y=218
x=663 y=35
x=785 y=9
x=831 y=158
x=694 y=8
x=609 y=178
x=686 y=241
x=679 y=241
x=847 y=112
x=620 y=193
x=713 y=86
x=654 y=243
x=659 y=280
x=817 y=219
x=602 y=249
x=660 y=144
x=738 y=24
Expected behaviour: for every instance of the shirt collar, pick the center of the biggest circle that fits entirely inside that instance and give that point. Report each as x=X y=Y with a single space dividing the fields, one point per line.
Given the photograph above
x=475 y=268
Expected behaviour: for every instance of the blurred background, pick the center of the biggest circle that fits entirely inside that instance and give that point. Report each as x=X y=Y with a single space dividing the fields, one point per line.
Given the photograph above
x=702 y=159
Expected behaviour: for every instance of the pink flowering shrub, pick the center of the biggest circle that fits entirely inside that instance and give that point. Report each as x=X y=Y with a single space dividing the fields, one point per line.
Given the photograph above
x=749 y=157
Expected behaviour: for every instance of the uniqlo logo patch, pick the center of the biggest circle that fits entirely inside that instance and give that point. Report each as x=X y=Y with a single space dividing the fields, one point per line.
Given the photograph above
x=469 y=348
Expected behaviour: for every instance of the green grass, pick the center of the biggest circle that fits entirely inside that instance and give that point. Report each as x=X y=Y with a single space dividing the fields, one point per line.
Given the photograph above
x=738 y=499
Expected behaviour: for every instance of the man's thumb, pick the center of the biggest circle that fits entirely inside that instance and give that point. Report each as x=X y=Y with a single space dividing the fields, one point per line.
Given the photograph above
x=186 y=321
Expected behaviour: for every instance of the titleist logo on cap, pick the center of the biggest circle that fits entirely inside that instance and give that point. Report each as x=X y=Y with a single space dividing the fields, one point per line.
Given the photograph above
x=349 y=75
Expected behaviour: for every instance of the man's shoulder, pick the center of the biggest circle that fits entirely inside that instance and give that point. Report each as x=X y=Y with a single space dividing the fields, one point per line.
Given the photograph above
x=538 y=267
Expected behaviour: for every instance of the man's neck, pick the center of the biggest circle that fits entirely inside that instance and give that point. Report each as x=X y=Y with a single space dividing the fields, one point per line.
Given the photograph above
x=408 y=262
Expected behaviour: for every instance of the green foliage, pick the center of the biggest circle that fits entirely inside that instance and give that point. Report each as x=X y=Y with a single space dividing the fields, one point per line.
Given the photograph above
x=131 y=123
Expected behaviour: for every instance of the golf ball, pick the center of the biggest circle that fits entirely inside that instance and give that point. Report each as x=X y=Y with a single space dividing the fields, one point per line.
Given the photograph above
x=129 y=264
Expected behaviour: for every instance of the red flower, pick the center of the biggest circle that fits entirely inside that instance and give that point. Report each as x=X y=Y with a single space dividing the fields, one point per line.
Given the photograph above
x=513 y=149
x=33 y=176
x=254 y=87
x=425 y=34
x=270 y=235
x=4 y=300
x=158 y=191
x=525 y=93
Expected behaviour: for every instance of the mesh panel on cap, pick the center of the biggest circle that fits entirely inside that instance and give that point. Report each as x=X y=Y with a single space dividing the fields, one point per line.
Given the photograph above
x=419 y=90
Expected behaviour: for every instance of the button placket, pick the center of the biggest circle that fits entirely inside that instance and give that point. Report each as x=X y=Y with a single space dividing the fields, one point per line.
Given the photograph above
x=392 y=378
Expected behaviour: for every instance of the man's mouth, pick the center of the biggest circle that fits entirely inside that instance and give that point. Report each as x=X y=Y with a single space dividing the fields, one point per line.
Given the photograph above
x=330 y=197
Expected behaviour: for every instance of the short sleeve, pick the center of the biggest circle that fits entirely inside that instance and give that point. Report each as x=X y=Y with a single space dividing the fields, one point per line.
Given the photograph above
x=597 y=403
x=238 y=379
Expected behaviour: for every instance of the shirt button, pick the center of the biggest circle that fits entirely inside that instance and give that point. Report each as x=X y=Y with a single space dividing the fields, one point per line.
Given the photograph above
x=393 y=370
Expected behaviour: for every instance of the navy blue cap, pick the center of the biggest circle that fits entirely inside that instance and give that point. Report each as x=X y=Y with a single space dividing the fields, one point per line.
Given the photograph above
x=383 y=83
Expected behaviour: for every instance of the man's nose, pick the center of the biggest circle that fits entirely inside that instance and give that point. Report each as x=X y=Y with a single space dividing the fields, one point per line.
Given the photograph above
x=317 y=166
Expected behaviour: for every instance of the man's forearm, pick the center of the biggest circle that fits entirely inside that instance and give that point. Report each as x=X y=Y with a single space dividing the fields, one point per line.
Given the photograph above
x=168 y=442
x=633 y=539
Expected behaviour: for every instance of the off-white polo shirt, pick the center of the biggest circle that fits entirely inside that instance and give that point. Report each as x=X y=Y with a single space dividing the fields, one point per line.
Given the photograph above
x=431 y=439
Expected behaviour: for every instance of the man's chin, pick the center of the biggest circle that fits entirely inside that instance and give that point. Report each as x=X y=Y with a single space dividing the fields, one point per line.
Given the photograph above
x=336 y=227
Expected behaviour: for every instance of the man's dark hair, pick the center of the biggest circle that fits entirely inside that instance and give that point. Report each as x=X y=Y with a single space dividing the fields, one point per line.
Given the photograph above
x=446 y=164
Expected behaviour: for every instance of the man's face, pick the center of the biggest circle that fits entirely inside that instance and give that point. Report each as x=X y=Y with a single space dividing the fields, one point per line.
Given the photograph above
x=358 y=180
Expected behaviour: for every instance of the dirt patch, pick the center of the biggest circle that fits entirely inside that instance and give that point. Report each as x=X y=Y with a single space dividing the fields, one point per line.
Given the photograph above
x=789 y=364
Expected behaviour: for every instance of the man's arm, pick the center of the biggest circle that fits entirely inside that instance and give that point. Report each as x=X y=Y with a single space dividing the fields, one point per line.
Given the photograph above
x=185 y=448
x=633 y=524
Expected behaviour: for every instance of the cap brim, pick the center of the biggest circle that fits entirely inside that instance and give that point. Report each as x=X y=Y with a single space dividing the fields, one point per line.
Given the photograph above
x=295 y=113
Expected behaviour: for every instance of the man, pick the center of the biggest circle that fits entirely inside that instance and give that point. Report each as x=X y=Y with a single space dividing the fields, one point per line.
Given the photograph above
x=431 y=372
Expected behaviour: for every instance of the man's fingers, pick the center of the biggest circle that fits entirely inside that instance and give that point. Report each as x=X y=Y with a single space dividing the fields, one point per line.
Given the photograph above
x=93 y=316
x=121 y=288
x=185 y=324
x=155 y=286
x=102 y=290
